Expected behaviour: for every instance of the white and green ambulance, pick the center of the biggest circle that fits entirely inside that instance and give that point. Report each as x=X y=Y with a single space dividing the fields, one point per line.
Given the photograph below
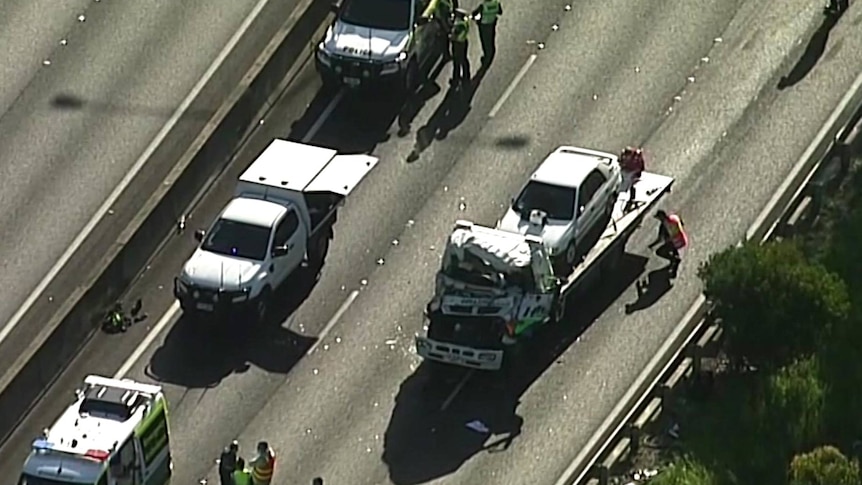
x=115 y=433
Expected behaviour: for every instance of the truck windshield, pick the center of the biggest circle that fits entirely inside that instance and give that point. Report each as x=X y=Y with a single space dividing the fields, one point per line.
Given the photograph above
x=31 y=480
x=473 y=271
x=238 y=239
x=378 y=14
x=558 y=202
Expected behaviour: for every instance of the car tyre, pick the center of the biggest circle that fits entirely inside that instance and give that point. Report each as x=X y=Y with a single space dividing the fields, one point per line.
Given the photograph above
x=261 y=305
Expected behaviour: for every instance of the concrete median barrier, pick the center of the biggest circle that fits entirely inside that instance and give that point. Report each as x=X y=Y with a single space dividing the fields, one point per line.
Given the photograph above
x=120 y=246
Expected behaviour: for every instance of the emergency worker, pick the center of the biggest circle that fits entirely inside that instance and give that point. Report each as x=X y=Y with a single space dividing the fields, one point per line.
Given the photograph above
x=443 y=11
x=458 y=37
x=227 y=463
x=632 y=165
x=263 y=465
x=486 y=15
x=672 y=235
x=116 y=319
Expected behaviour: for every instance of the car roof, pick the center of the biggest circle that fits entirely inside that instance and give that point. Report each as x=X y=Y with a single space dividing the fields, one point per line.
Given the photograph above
x=256 y=212
x=569 y=166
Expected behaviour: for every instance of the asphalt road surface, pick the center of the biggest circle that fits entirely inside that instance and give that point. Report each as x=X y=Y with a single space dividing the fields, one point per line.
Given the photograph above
x=697 y=84
x=85 y=86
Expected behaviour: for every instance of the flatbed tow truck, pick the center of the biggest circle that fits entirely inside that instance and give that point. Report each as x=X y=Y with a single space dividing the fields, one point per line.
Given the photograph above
x=496 y=287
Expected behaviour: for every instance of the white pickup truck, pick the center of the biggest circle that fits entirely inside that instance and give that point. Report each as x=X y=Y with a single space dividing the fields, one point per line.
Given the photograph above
x=572 y=192
x=280 y=216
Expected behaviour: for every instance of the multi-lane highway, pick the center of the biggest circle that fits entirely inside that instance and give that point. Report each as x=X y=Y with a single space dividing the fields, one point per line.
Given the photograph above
x=87 y=89
x=696 y=83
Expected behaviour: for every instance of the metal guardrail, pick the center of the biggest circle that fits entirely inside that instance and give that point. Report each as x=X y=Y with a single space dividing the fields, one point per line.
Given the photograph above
x=615 y=433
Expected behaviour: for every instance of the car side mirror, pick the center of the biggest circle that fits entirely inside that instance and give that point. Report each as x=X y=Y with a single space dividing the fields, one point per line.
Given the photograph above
x=334 y=7
x=279 y=251
x=199 y=235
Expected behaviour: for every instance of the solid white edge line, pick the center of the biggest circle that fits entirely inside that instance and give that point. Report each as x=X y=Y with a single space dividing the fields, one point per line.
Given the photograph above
x=327 y=112
x=457 y=389
x=514 y=84
x=136 y=168
x=582 y=456
x=848 y=97
x=854 y=91
x=167 y=318
x=174 y=310
x=332 y=321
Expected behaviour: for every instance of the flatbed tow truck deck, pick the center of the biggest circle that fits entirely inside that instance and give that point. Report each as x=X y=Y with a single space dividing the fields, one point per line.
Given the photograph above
x=603 y=256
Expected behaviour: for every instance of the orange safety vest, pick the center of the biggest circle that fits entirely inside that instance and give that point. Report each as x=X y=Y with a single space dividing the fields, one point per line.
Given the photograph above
x=262 y=469
x=675 y=231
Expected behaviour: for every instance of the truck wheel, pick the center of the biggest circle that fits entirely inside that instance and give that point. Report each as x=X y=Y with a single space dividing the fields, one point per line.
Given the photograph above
x=571 y=254
x=261 y=305
x=559 y=312
x=609 y=207
x=318 y=248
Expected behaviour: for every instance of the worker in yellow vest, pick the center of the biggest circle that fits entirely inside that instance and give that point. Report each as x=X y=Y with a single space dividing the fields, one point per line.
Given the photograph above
x=241 y=476
x=262 y=465
x=458 y=39
x=486 y=15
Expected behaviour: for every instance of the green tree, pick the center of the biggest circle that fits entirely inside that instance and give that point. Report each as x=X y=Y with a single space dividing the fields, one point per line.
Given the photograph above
x=793 y=410
x=842 y=372
x=824 y=466
x=774 y=305
x=685 y=472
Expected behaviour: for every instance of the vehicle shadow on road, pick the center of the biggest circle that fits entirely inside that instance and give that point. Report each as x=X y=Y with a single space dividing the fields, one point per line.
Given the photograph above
x=423 y=442
x=358 y=123
x=813 y=51
x=200 y=354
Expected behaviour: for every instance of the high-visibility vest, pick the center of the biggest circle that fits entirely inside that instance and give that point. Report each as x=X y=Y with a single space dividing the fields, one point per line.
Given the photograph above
x=460 y=29
x=675 y=231
x=241 y=477
x=262 y=468
x=490 y=11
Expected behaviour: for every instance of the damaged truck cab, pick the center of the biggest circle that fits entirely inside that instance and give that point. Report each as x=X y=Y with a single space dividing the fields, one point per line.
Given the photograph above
x=493 y=286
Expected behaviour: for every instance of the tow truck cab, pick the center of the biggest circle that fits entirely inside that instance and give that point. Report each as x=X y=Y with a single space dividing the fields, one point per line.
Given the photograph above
x=492 y=288
x=375 y=41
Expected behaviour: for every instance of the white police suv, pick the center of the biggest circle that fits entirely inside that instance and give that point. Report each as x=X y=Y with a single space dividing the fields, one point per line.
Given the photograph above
x=373 y=41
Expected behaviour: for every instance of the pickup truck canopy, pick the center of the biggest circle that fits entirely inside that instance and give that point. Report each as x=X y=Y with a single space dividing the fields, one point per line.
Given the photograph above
x=298 y=167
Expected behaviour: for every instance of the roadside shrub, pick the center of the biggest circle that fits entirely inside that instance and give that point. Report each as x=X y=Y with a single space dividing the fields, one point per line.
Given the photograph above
x=794 y=399
x=685 y=471
x=823 y=466
x=774 y=305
